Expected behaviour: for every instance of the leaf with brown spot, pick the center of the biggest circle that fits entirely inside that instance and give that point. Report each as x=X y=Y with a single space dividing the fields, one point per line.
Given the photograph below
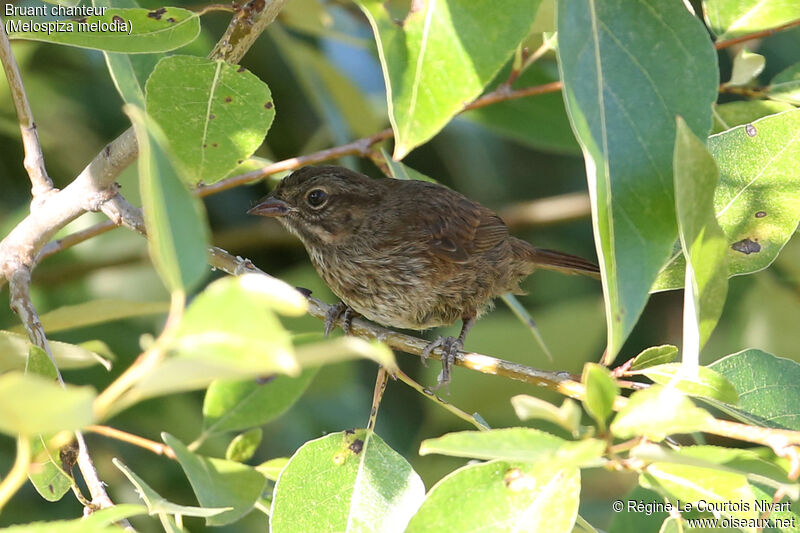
x=758 y=174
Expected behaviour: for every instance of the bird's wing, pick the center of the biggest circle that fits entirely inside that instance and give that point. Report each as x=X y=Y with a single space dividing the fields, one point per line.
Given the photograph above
x=461 y=227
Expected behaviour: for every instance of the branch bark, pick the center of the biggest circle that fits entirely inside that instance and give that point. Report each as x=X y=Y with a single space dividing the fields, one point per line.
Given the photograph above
x=34 y=160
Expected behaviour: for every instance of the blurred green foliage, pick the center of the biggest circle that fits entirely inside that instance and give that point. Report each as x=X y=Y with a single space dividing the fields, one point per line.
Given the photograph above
x=320 y=64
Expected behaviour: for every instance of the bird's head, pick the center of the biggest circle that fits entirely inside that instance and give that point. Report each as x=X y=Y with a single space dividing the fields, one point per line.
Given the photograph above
x=322 y=205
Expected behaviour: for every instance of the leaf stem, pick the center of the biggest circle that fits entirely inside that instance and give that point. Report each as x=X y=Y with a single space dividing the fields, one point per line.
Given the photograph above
x=157 y=448
x=430 y=395
x=719 y=45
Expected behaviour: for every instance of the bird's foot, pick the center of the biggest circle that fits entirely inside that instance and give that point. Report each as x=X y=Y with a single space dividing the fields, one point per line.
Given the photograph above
x=334 y=313
x=450 y=347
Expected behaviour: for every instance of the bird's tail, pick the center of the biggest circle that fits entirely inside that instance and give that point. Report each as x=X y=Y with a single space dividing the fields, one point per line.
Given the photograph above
x=564 y=263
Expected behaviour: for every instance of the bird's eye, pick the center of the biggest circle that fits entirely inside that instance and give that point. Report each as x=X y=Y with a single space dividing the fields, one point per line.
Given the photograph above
x=316 y=197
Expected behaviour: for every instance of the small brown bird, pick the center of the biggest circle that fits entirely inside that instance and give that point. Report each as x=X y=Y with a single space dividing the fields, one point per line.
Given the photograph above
x=406 y=254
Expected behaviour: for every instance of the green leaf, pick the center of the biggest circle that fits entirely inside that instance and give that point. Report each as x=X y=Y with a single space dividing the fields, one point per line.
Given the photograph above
x=691 y=484
x=273 y=468
x=516 y=444
x=177 y=230
x=244 y=445
x=729 y=19
x=30 y=405
x=96 y=312
x=707 y=383
x=538 y=121
x=568 y=416
x=69 y=3
x=769 y=387
x=601 y=391
x=785 y=86
x=230 y=331
x=156 y=504
x=359 y=484
x=213 y=114
x=400 y=171
x=502 y=496
x=751 y=463
x=129 y=31
x=345 y=349
x=219 y=483
x=626 y=68
x=702 y=240
x=757 y=202
x=236 y=405
x=341 y=105
x=643 y=513
x=655 y=355
x=746 y=67
x=14 y=353
x=441 y=57
x=47 y=476
x=657 y=412
x=732 y=114
x=100 y=521
x=128 y=71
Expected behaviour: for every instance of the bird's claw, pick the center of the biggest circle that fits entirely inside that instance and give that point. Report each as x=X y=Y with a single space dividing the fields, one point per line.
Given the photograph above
x=334 y=313
x=450 y=347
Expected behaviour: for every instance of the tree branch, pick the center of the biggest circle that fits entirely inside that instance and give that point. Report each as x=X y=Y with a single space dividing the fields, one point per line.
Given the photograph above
x=34 y=160
x=719 y=45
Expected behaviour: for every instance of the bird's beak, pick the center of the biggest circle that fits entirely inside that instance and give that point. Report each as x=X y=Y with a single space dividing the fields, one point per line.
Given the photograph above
x=270 y=207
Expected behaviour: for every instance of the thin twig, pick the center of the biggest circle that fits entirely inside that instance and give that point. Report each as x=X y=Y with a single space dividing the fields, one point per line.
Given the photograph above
x=359 y=147
x=430 y=395
x=157 y=448
x=783 y=442
x=377 y=396
x=719 y=45
x=545 y=211
x=19 y=288
x=34 y=160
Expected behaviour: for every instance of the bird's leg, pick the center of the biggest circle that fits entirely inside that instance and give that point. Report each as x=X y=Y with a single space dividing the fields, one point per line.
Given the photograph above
x=450 y=348
x=333 y=314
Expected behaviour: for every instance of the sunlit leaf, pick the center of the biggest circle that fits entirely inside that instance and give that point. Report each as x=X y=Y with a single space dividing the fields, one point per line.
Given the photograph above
x=501 y=496
x=702 y=241
x=768 y=387
x=31 y=404
x=729 y=19
x=14 y=353
x=657 y=412
x=96 y=312
x=177 y=231
x=655 y=355
x=706 y=383
x=244 y=445
x=757 y=202
x=746 y=67
x=213 y=114
x=375 y=488
x=156 y=504
x=601 y=392
x=219 y=483
x=236 y=405
x=628 y=69
x=441 y=57
x=568 y=416
x=118 y=30
x=515 y=444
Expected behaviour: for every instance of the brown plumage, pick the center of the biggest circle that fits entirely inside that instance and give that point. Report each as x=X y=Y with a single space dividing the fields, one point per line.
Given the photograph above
x=407 y=254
